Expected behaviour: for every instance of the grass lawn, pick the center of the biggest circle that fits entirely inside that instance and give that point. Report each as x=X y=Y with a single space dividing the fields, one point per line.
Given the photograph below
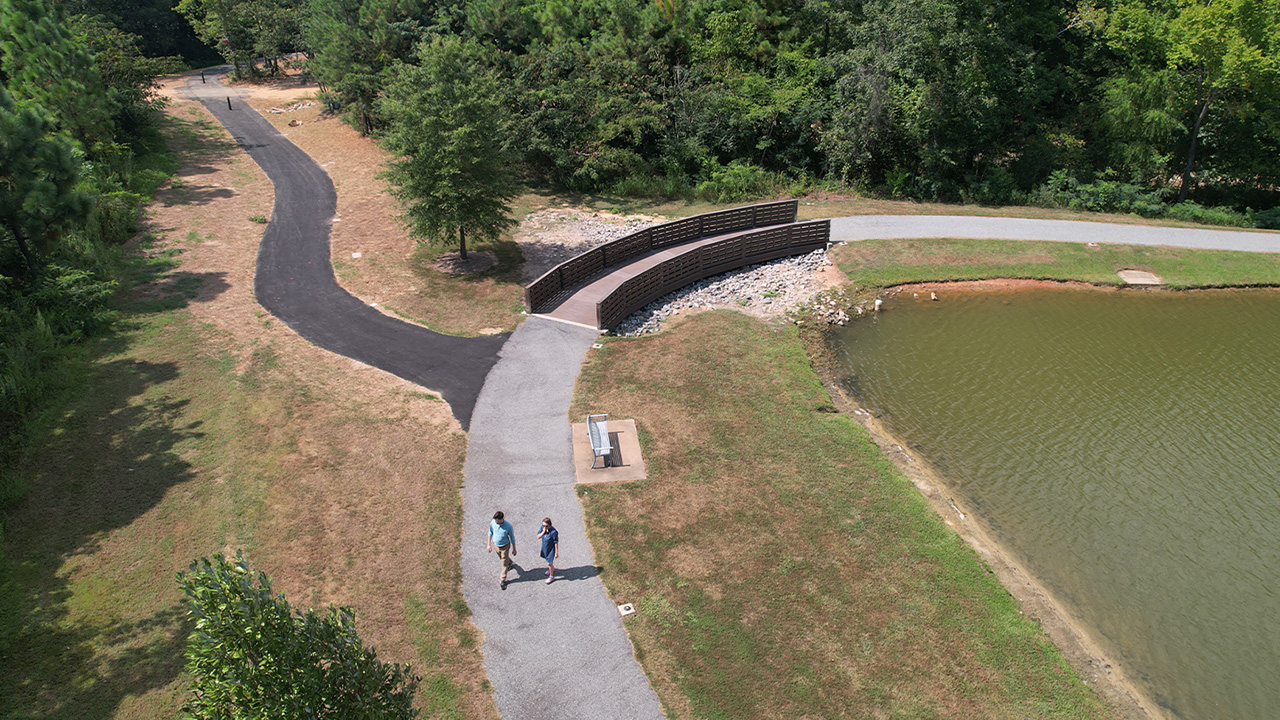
x=781 y=566
x=202 y=426
x=881 y=263
x=466 y=304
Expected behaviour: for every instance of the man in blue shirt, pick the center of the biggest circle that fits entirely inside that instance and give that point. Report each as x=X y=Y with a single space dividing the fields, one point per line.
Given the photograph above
x=502 y=535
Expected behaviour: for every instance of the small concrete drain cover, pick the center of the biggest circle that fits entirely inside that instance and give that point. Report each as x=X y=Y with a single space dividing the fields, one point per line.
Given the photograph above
x=1139 y=277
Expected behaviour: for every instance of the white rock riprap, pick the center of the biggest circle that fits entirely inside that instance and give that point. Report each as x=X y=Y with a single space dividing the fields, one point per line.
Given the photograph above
x=766 y=290
x=551 y=236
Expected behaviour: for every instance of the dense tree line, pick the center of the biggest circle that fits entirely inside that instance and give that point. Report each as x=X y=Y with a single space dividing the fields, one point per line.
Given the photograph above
x=1126 y=105
x=76 y=110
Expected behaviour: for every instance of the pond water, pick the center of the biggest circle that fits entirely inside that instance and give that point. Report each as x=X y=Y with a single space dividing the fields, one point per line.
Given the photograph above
x=1127 y=446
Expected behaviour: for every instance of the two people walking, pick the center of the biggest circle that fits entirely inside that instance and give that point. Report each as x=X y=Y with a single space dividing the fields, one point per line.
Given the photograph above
x=503 y=537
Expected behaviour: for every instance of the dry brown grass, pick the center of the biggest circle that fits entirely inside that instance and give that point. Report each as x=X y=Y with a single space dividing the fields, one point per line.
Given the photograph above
x=781 y=567
x=212 y=427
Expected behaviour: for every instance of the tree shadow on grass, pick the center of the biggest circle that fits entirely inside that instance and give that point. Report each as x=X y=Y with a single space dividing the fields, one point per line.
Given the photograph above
x=506 y=270
x=77 y=635
x=189 y=194
x=201 y=146
x=175 y=290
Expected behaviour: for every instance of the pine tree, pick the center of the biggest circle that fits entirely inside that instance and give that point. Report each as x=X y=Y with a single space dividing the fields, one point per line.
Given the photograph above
x=42 y=62
x=39 y=170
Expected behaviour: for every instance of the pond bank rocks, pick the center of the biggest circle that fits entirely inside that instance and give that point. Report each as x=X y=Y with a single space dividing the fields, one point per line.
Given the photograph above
x=769 y=289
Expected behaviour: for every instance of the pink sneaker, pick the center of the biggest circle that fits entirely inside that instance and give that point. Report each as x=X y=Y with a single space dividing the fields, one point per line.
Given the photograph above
x=550 y=578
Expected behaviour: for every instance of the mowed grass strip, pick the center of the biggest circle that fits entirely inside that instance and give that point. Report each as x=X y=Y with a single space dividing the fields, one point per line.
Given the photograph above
x=781 y=567
x=881 y=263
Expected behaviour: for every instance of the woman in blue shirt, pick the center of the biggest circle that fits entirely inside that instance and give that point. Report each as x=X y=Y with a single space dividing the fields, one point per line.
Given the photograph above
x=550 y=547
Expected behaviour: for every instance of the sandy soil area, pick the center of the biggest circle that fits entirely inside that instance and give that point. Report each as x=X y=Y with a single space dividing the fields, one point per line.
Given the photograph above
x=1070 y=633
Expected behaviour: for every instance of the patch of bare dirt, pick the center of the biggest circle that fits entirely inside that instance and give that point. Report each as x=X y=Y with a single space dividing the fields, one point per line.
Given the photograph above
x=551 y=236
x=475 y=262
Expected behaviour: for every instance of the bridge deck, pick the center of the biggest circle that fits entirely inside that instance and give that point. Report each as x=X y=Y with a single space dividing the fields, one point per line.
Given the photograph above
x=580 y=307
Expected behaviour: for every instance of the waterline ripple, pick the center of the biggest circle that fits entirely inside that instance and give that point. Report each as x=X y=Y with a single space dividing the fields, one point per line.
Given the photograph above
x=1127 y=445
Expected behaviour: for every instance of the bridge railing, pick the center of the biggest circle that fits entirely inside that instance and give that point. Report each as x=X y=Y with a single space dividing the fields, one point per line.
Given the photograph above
x=711 y=259
x=560 y=281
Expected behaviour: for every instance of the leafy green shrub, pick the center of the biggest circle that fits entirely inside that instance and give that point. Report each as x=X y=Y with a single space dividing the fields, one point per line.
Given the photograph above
x=1191 y=212
x=740 y=181
x=647 y=185
x=898 y=182
x=144 y=181
x=252 y=656
x=996 y=187
x=75 y=302
x=903 y=183
x=1065 y=191
x=25 y=355
x=114 y=217
x=1269 y=219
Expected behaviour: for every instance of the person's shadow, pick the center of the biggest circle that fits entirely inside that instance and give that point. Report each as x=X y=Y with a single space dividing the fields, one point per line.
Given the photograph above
x=533 y=574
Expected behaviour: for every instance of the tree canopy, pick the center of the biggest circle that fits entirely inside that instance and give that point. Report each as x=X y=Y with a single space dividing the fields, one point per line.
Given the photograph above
x=450 y=130
x=974 y=100
x=253 y=656
x=77 y=105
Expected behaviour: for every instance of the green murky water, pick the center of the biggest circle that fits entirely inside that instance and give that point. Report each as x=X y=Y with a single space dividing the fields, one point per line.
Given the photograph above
x=1127 y=445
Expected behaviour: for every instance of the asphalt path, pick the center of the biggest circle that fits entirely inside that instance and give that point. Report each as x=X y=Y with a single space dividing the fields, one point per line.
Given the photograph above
x=295 y=280
x=554 y=651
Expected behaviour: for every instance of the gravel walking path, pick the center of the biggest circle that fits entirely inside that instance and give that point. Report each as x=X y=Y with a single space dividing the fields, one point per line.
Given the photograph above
x=558 y=651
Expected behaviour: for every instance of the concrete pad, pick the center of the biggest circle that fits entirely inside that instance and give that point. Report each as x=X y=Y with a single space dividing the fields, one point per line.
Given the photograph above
x=629 y=465
x=1139 y=277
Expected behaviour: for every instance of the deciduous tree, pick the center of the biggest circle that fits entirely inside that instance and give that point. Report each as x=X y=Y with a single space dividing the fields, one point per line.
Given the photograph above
x=254 y=657
x=450 y=130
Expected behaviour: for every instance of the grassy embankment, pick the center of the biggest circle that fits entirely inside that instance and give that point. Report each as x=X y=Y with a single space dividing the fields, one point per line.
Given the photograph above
x=781 y=565
x=201 y=426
